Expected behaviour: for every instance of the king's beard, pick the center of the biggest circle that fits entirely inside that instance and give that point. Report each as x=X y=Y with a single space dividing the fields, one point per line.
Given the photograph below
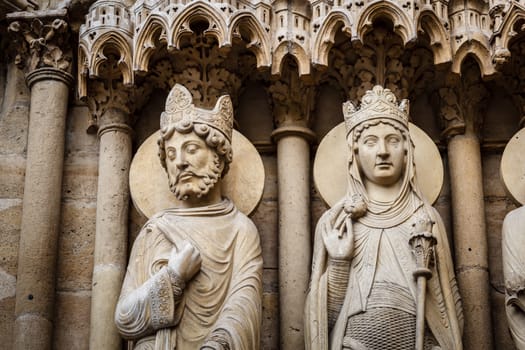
x=196 y=189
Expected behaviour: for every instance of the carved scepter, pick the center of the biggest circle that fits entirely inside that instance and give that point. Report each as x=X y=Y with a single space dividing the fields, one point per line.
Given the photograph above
x=422 y=242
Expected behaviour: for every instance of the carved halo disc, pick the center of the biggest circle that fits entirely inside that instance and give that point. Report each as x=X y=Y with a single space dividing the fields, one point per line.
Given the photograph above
x=148 y=181
x=512 y=169
x=331 y=164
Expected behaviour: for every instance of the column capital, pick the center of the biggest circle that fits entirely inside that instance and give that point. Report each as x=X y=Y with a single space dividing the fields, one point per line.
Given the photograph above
x=292 y=99
x=121 y=127
x=450 y=112
x=293 y=130
x=49 y=73
x=111 y=105
x=40 y=39
x=462 y=106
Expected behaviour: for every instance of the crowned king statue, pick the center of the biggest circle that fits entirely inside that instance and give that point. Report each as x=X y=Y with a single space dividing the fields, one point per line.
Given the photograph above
x=194 y=279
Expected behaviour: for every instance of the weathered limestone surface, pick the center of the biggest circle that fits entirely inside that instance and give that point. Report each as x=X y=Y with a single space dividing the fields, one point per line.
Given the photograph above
x=111 y=229
x=469 y=239
x=340 y=49
x=14 y=117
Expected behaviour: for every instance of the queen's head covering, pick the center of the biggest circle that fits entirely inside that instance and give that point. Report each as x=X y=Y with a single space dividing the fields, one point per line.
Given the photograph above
x=180 y=110
x=379 y=105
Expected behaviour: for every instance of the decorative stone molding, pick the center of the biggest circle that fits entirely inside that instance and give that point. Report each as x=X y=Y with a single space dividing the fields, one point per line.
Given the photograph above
x=107 y=95
x=508 y=18
x=202 y=67
x=292 y=100
x=356 y=20
x=136 y=33
x=461 y=103
x=48 y=73
x=41 y=39
x=108 y=29
x=450 y=112
x=306 y=31
x=7 y=6
x=381 y=58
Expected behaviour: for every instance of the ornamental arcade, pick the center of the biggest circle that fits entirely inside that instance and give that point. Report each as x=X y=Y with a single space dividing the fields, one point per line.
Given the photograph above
x=83 y=84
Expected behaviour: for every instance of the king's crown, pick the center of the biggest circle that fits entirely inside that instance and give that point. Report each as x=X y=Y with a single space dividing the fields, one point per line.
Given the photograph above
x=378 y=103
x=180 y=109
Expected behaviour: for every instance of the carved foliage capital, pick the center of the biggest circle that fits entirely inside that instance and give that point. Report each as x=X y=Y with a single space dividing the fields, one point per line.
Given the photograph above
x=450 y=114
x=292 y=100
x=41 y=42
x=112 y=95
x=461 y=103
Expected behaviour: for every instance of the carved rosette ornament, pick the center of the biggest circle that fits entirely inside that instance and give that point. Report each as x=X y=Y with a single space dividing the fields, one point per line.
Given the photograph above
x=41 y=41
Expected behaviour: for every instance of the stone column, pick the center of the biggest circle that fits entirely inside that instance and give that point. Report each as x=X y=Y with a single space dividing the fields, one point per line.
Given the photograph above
x=463 y=122
x=293 y=139
x=470 y=238
x=111 y=240
x=49 y=82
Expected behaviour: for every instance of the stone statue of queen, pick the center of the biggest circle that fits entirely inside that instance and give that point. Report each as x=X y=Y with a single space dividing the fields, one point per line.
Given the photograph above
x=362 y=292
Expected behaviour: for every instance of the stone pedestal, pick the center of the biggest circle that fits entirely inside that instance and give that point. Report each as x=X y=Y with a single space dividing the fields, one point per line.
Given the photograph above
x=111 y=228
x=35 y=288
x=470 y=239
x=293 y=161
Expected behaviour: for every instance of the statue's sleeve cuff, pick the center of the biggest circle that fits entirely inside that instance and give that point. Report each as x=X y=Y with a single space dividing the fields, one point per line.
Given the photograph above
x=162 y=301
x=220 y=339
x=177 y=284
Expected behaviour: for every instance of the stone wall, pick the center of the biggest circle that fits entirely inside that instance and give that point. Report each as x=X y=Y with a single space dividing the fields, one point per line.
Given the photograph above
x=76 y=241
x=275 y=70
x=14 y=117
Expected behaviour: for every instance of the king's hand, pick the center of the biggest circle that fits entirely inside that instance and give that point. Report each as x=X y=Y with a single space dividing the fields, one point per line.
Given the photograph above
x=185 y=262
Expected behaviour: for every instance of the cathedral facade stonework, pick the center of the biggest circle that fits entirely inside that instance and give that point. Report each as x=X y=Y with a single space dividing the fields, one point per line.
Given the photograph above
x=83 y=84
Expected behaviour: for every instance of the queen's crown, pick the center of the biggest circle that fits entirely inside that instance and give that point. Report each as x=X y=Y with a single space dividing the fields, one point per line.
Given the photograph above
x=378 y=103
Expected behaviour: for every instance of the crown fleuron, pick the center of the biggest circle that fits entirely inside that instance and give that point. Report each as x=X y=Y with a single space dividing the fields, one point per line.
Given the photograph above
x=378 y=103
x=180 y=109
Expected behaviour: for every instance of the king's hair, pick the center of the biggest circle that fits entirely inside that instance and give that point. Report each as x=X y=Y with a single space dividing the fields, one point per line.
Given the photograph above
x=213 y=138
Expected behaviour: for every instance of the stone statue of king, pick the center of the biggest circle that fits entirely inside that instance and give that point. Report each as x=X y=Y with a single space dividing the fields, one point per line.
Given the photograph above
x=363 y=294
x=194 y=279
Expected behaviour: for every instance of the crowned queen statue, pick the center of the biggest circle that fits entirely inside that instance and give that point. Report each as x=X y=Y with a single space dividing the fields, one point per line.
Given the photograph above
x=194 y=279
x=363 y=294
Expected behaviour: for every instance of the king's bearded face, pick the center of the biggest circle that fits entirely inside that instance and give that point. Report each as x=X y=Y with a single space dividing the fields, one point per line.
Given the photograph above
x=193 y=167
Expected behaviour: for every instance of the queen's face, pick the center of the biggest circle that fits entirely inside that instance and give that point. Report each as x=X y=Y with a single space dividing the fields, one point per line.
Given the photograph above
x=381 y=154
x=191 y=164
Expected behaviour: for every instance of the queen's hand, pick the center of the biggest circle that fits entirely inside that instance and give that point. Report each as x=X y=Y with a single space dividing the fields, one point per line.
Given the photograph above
x=340 y=243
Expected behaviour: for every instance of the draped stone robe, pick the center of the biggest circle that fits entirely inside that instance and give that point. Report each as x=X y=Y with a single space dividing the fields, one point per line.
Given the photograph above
x=513 y=252
x=382 y=254
x=222 y=302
